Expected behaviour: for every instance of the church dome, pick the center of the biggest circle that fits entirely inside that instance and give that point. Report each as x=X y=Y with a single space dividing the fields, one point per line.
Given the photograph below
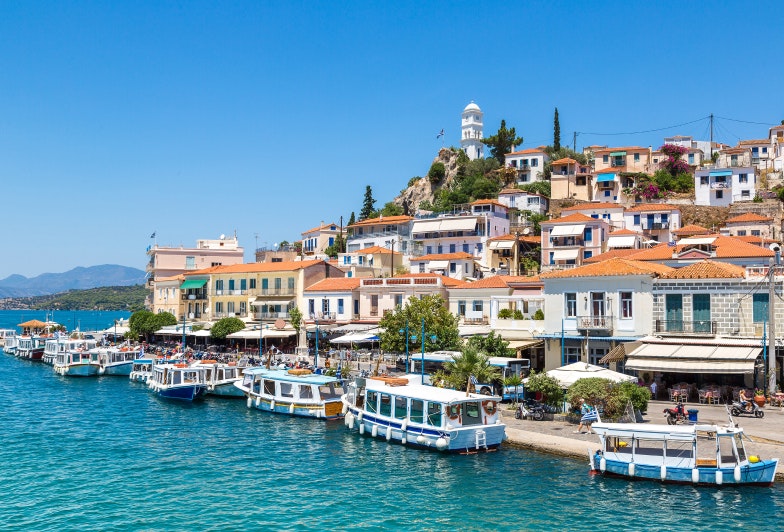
x=472 y=107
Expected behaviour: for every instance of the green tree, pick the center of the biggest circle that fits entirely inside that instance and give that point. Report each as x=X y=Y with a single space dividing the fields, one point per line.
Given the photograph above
x=537 y=187
x=556 y=132
x=513 y=380
x=295 y=317
x=438 y=321
x=548 y=386
x=226 y=326
x=352 y=219
x=469 y=362
x=391 y=209
x=437 y=172
x=491 y=345
x=144 y=323
x=502 y=142
x=368 y=204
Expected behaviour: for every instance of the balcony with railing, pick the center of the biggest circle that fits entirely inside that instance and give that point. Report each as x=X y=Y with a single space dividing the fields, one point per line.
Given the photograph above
x=655 y=226
x=261 y=292
x=595 y=324
x=686 y=328
x=283 y=315
x=194 y=295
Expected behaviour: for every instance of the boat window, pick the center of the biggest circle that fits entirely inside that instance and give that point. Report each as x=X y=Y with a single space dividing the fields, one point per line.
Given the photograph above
x=176 y=376
x=286 y=389
x=472 y=413
x=621 y=445
x=740 y=447
x=434 y=414
x=642 y=447
x=327 y=391
x=371 y=402
x=305 y=391
x=726 y=452
x=417 y=410
x=256 y=386
x=680 y=449
x=386 y=404
x=269 y=387
x=401 y=407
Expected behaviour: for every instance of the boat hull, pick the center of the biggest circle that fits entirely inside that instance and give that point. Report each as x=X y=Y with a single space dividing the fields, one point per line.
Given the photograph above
x=182 y=393
x=77 y=370
x=760 y=473
x=225 y=389
x=458 y=440
x=123 y=369
x=328 y=410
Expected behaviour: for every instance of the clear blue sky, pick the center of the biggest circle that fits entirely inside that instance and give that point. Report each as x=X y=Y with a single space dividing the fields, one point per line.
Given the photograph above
x=193 y=119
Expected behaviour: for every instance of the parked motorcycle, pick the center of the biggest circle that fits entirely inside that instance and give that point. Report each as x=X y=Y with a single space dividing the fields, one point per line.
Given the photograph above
x=676 y=414
x=738 y=410
x=532 y=409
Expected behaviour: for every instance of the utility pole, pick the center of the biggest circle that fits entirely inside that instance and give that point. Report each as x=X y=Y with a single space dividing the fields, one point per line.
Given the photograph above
x=711 y=136
x=574 y=141
x=771 y=328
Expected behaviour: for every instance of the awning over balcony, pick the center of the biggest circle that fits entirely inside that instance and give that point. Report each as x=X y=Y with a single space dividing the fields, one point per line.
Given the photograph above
x=719 y=173
x=260 y=302
x=565 y=254
x=625 y=241
x=697 y=241
x=193 y=283
x=438 y=264
x=426 y=226
x=567 y=230
x=502 y=244
x=432 y=226
x=679 y=358
x=605 y=177
x=618 y=154
x=520 y=344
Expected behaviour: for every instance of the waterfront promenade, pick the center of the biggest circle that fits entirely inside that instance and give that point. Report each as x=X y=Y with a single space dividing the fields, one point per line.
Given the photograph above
x=557 y=436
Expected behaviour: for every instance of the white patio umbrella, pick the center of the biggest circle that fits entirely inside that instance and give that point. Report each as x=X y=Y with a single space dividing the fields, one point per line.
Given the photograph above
x=571 y=373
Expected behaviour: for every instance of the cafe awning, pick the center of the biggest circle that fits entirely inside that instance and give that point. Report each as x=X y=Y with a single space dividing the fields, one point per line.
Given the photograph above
x=438 y=264
x=617 y=154
x=720 y=173
x=605 y=177
x=625 y=241
x=565 y=254
x=679 y=358
x=193 y=283
x=567 y=230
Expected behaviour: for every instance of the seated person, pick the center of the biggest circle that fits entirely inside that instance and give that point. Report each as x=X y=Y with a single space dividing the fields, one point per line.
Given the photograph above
x=744 y=400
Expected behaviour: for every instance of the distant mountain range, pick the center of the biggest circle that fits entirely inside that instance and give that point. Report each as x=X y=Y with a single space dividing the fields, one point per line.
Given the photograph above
x=76 y=279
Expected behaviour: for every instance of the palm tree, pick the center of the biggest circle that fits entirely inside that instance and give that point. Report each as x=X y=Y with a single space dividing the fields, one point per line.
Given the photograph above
x=513 y=380
x=470 y=362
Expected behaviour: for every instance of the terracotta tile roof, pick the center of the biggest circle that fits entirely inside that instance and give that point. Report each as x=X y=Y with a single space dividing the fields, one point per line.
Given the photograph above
x=518 y=191
x=708 y=269
x=645 y=207
x=620 y=232
x=385 y=220
x=725 y=247
x=622 y=148
x=690 y=230
x=528 y=239
x=593 y=205
x=612 y=254
x=735 y=150
x=577 y=217
x=496 y=281
x=258 y=267
x=757 y=240
x=443 y=256
x=373 y=249
x=334 y=284
x=756 y=141
x=565 y=160
x=749 y=217
x=489 y=202
x=321 y=228
x=612 y=267
x=529 y=151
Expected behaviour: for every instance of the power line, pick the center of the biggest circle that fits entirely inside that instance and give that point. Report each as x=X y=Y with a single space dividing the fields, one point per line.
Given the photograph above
x=646 y=131
x=746 y=121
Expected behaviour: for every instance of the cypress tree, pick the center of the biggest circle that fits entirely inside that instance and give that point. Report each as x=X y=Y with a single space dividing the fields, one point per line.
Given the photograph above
x=556 y=132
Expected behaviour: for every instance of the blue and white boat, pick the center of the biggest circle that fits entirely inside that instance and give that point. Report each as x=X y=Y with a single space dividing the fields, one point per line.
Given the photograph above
x=296 y=392
x=117 y=360
x=10 y=343
x=78 y=359
x=178 y=381
x=141 y=370
x=220 y=377
x=686 y=454
x=6 y=333
x=30 y=347
x=402 y=409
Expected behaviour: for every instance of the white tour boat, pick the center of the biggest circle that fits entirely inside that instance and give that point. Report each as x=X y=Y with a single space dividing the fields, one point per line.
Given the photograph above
x=693 y=454
x=395 y=408
x=117 y=360
x=141 y=370
x=6 y=333
x=31 y=347
x=297 y=392
x=10 y=343
x=221 y=377
x=178 y=381
x=78 y=359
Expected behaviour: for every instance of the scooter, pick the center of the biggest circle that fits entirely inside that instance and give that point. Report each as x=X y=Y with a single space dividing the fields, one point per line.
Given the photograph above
x=739 y=410
x=676 y=415
x=530 y=409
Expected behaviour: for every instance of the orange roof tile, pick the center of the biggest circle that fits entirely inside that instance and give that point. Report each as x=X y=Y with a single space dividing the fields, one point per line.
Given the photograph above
x=334 y=284
x=593 y=205
x=735 y=150
x=528 y=151
x=612 y=267
x=258 y=267
x=691 y=230
x=565 y=160
x=612 y=254
x=443 y=256
x=724 y=247
x=320 y=228
x=577 y=217
x=708 y=269
x=446 y=281
x=753 y=141
x=374 y=249
x=623 y=148
x=652 y=207
x=620 y=232
x=489 y=202
x=749 y=217
x=756 y=240
x=385 y=220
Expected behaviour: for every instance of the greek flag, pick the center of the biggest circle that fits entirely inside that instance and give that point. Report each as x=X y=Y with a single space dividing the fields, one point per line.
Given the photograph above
x=440 y=134
x=590 y=417
x=473 y=380
x=152 y=235
x=141 y=353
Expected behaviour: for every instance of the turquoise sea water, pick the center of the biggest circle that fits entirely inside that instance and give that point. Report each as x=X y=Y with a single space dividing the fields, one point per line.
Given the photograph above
x=84 y=320
x=105 y=454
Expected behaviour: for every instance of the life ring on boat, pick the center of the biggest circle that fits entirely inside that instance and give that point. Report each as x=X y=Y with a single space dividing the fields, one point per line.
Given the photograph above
x=490 y=407
x=181 y=365
x=453 y=411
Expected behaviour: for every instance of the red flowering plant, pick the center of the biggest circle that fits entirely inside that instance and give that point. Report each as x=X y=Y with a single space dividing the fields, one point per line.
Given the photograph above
x=674 y=162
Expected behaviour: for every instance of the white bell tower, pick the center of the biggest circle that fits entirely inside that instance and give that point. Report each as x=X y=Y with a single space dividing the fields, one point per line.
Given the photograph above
x=471 y=139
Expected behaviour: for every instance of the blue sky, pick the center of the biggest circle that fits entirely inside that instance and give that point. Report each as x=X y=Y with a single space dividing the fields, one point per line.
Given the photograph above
x=193 y=119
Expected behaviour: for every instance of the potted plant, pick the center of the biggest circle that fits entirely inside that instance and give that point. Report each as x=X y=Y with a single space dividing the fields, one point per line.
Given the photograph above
x=759 y=397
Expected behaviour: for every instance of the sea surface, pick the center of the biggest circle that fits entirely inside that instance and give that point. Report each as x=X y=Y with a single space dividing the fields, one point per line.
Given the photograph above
x=106 y=454
x=84 y=320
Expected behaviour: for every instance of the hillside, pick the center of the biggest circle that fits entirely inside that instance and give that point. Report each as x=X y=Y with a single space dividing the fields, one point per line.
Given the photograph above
x=76 y=279
x=129 y=298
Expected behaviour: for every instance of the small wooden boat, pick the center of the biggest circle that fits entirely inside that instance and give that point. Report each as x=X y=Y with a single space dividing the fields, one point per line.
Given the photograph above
x=178 y=381
x=293 y=392
x=687 y=454
x=398 y=409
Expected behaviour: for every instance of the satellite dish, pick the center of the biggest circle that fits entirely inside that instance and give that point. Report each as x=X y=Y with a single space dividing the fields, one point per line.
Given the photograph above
x=774 y=247
x=527 y=231
x=223 y=237
x=279 y=323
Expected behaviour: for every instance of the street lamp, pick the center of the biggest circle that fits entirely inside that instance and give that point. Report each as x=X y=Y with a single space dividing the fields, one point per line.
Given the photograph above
x=432 y=338
x=407 y=338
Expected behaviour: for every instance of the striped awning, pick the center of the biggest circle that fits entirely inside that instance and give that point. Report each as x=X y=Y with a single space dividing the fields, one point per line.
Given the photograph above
x=679 y=358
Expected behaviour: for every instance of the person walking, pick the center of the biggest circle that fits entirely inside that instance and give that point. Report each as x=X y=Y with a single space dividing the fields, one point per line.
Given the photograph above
x=589 y=415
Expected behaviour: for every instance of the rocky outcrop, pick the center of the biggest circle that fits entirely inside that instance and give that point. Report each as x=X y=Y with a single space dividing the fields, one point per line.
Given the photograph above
x=423 y=189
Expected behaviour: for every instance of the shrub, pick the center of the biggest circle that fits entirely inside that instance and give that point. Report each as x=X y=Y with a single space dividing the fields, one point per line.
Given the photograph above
x=437 y=172
x=538 y=315
x=518 y=314
x=505 y=313
x=547 y=386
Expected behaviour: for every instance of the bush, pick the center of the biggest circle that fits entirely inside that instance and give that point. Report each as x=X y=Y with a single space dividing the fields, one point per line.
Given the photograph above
x=612 y=397
x=412 y=181
x=547 y=386
x=437 y=172
x=226 y=326
x=505 y=313
x=518 y=314
x=538 y=315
